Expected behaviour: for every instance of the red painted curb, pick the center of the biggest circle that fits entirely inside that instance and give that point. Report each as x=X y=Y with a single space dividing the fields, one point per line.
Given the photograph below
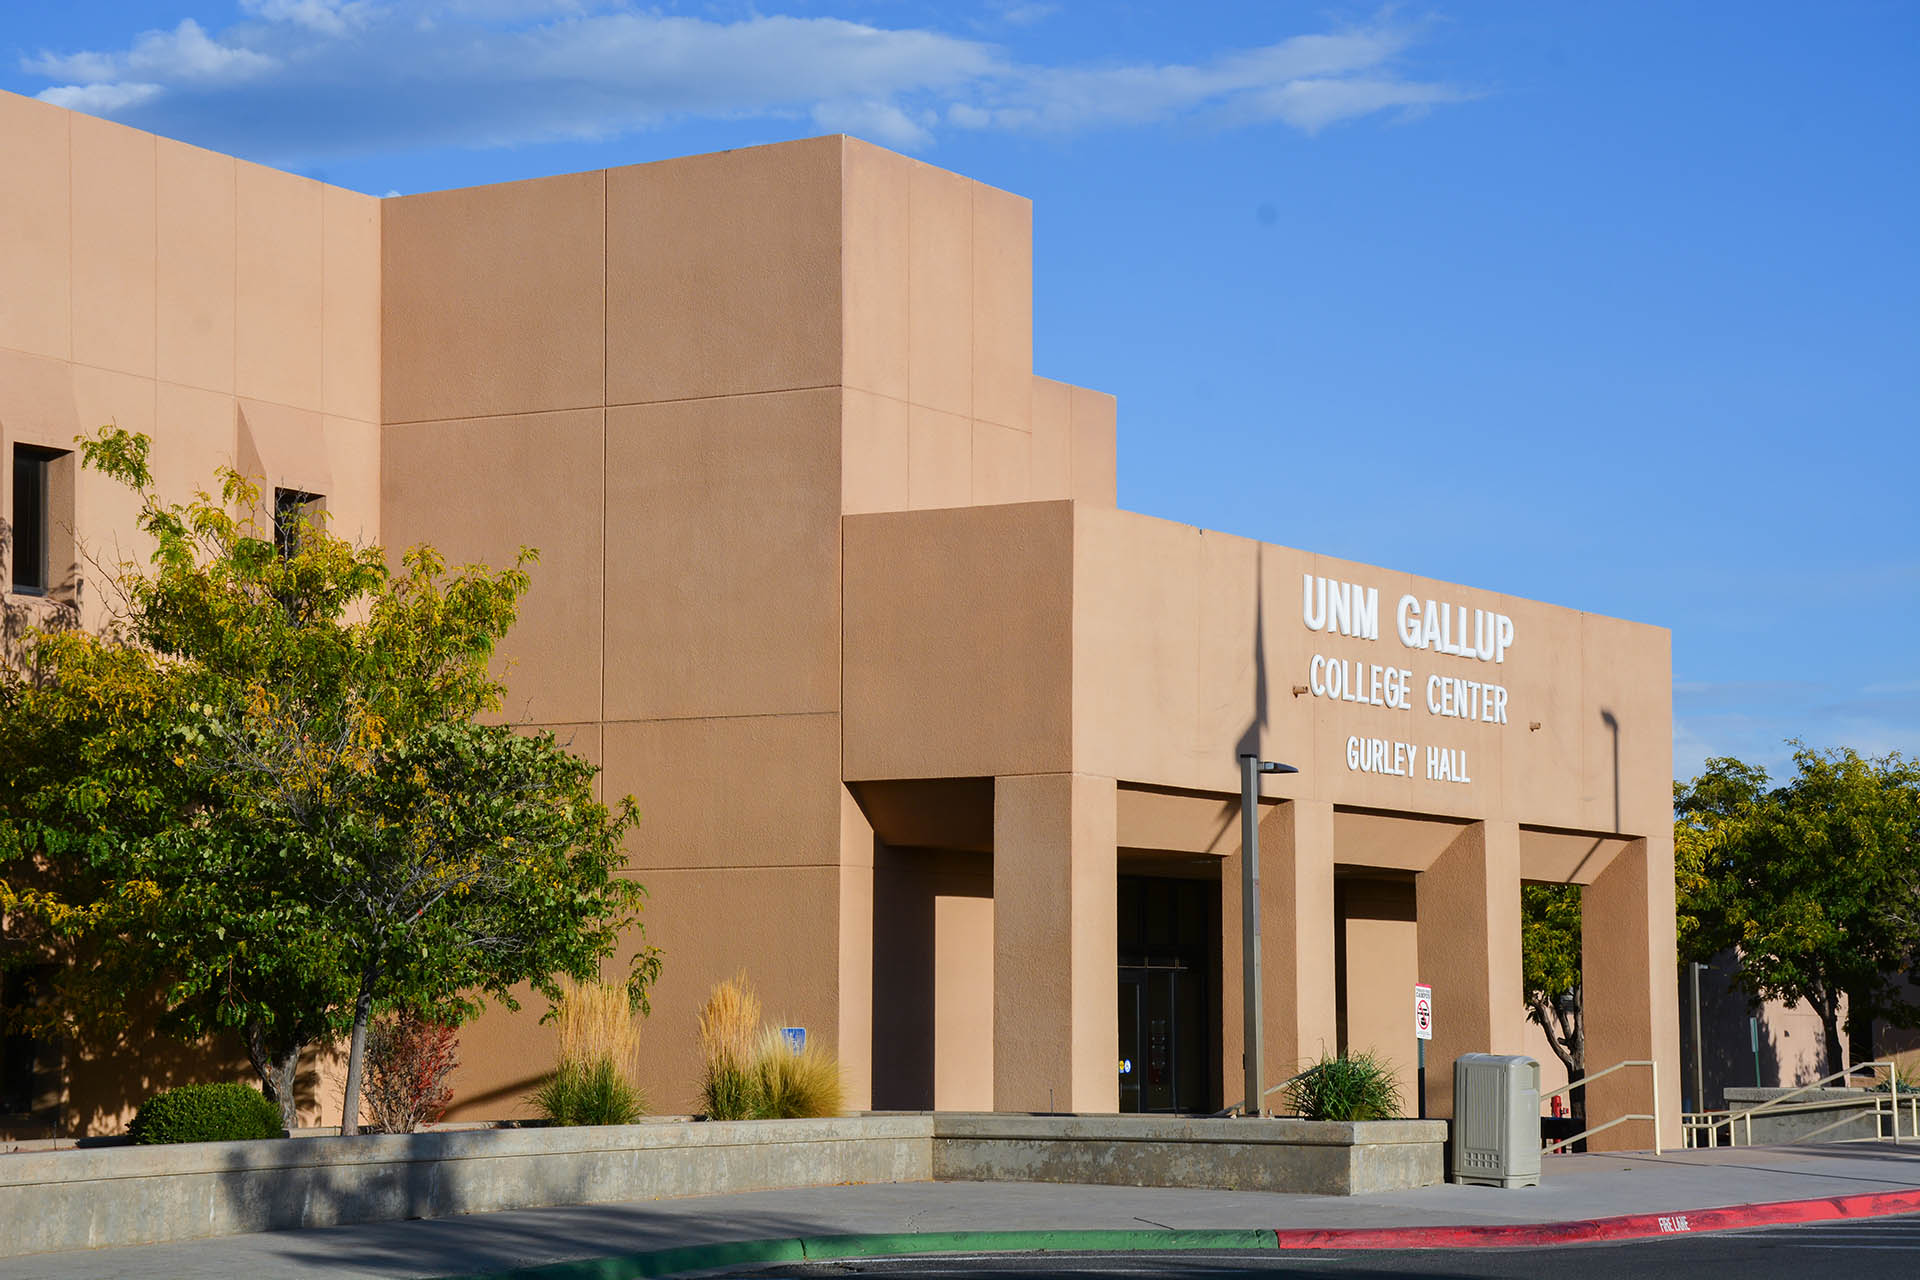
x=1627 y=1227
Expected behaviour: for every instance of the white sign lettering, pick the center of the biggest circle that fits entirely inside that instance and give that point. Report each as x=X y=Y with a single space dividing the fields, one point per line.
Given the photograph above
x=1372 y=684
x=1344 y=607
x=1333 y=607
x=1438 y=627
x=1379 y=755
x=1447 y=764
x=1466 y=699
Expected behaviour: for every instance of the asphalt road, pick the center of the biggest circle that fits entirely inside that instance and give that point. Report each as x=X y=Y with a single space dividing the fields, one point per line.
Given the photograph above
x=1876 y=1249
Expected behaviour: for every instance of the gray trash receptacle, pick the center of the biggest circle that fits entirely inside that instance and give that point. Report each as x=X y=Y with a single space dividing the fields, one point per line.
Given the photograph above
x=1496 y=1120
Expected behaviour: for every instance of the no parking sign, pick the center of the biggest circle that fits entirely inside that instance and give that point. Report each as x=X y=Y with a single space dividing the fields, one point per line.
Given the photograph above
x=1423 y=1011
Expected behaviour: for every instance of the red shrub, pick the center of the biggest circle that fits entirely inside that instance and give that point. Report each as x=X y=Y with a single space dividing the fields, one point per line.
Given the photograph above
x=408 y=1062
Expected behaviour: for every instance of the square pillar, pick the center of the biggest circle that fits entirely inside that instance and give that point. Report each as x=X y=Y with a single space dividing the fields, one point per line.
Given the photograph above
x=1056 y=947
x=1296 y=946
x=1468 y=904
x=856 y=954
x=1632 y=1001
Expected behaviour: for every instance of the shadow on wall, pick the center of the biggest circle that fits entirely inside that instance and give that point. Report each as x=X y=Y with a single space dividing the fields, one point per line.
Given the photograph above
x=1251 y=739
x=903 y=981
x=106 y=1081
x=57 y=610
x=1791 y=1047
x=908 y=1000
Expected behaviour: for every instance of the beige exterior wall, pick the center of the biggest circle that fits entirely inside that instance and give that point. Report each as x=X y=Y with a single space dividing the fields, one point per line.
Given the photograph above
x=229 y=311
x=836 y=586
x=1181 y=646
x=675 y=400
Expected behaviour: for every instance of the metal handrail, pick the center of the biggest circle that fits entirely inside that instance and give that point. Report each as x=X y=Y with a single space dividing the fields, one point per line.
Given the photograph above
x=1583 y=1081
x=1710 y=1121
x=1774 y=1104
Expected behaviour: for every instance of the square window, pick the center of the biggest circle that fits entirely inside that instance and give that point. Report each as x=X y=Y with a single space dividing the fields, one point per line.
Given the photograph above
x=294 y=511
x=41 y=531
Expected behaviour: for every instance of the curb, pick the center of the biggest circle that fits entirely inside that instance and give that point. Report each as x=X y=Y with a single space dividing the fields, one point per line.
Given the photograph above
x=1635 y=1226
x=710 y=1257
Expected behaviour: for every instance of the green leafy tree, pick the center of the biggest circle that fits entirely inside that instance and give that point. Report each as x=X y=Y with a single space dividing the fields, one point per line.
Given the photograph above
x=122 y=866
x=1812 y=882
x=280 y=806
x=1708 y=816
x=1550 y=969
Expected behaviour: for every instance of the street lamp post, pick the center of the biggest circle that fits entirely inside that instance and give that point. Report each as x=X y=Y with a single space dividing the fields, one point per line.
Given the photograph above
x=1253 y=1034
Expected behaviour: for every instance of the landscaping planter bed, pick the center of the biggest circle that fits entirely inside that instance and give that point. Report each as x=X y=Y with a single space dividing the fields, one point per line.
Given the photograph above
x=113 y=1196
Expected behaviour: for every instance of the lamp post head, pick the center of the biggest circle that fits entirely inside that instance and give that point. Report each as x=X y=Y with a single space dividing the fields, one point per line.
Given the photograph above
x=1268 y=766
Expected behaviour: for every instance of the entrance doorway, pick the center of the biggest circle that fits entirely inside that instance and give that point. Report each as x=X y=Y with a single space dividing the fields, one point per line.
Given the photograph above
x=1165 y=994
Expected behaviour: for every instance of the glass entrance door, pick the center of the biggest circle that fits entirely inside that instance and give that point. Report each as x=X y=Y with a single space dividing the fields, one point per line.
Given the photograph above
x=1157 y=1022
x=1165 y=951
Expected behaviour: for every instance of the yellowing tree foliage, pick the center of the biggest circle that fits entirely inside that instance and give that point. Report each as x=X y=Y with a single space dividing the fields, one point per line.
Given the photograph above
x=265 y=790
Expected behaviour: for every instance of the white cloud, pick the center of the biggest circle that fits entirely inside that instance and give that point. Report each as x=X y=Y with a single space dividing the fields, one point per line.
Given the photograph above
x=881 y=122
x=360 y=75
x=1753 y=720
x=1308 y=82
x=329 y=17
x=185 y=55
x=1312 y=105
x=101 y=99
x=1017 y=14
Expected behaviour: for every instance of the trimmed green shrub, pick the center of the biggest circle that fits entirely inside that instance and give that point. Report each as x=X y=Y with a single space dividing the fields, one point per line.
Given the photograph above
x=595 y=1092
x=1357 y=1086
x=206 y=1113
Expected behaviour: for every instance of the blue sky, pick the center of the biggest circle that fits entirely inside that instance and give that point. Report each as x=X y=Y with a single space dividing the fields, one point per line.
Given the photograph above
x=1615 y=306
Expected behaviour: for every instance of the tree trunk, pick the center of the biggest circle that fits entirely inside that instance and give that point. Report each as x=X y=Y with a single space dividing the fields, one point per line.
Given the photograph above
x=1828 y=1005
x=277 y=1073
x=288 y=1071
x=1567 y=1037
x=356 y=1059
x=1859 y=1026
x=1541 y=1013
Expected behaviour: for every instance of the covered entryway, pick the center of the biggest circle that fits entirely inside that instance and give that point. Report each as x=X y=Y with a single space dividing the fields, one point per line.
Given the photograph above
x=1167 y=993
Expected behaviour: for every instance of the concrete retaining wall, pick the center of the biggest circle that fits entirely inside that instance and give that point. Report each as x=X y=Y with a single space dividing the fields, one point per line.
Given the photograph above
x=108 y=1197
x=1152 y=1151
x=1773 y=1128
x=142 y=1195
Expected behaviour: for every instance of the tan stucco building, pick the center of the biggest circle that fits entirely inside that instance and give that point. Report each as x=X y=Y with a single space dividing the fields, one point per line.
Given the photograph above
x=929 y=737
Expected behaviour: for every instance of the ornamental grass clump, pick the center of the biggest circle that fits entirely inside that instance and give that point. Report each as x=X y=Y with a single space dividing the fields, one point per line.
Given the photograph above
x=599 y=1042
x=1353 y=1086
x=753 y=1072
x=729 y=1024
x=796 y=1082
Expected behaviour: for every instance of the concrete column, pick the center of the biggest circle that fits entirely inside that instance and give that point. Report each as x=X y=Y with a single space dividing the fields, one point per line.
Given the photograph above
x=1056 y=1027
x=1468 y=904
x=855 y=1006
x=1632 y=1000
x=1296 y=944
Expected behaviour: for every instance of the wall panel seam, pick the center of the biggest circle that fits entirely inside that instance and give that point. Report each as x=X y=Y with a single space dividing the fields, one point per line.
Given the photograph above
x=744 y=715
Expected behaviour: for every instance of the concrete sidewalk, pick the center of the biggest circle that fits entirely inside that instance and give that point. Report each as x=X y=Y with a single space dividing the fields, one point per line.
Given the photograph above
x=1572 y=1188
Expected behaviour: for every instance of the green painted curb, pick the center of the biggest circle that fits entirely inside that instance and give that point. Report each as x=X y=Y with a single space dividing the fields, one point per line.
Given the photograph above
x=709 y=1257
x=1031 y=1242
